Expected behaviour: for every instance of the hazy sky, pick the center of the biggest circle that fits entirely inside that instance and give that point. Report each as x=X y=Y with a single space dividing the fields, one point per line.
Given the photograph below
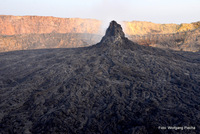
x=158 y=11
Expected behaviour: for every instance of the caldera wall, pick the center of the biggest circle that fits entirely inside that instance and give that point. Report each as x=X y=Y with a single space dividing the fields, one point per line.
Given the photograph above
x=36 y=32
x=12 y=25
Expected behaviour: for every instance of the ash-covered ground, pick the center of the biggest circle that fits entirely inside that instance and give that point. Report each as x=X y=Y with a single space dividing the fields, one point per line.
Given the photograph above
x=115 y=86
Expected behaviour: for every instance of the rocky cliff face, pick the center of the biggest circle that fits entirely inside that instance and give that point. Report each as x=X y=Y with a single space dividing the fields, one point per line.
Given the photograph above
x=183 y=41
x=50 y=40
x=12 y=25
x=144 y=28
x=35 y=32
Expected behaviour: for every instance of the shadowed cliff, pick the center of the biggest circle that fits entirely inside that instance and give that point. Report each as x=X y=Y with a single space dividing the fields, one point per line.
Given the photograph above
x=184 y=41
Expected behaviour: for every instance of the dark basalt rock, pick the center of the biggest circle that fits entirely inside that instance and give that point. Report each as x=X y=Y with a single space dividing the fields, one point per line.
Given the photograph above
x=114 y=30
x=115 y=38
x=114 y=34
x=115 y=87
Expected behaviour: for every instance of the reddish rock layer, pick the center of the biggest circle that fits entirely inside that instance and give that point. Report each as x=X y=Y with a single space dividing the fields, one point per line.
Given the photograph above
x=12 y=25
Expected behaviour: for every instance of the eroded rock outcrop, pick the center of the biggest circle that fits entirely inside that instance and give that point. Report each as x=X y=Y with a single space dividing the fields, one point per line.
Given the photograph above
x=114 y=33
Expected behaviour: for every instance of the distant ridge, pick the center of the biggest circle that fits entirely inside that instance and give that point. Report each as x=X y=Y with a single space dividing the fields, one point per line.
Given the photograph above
x=38 y=32
x=12 y=25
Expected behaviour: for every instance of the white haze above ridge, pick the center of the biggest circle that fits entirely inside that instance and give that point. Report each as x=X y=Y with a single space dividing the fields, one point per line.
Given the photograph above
x=157 y=11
